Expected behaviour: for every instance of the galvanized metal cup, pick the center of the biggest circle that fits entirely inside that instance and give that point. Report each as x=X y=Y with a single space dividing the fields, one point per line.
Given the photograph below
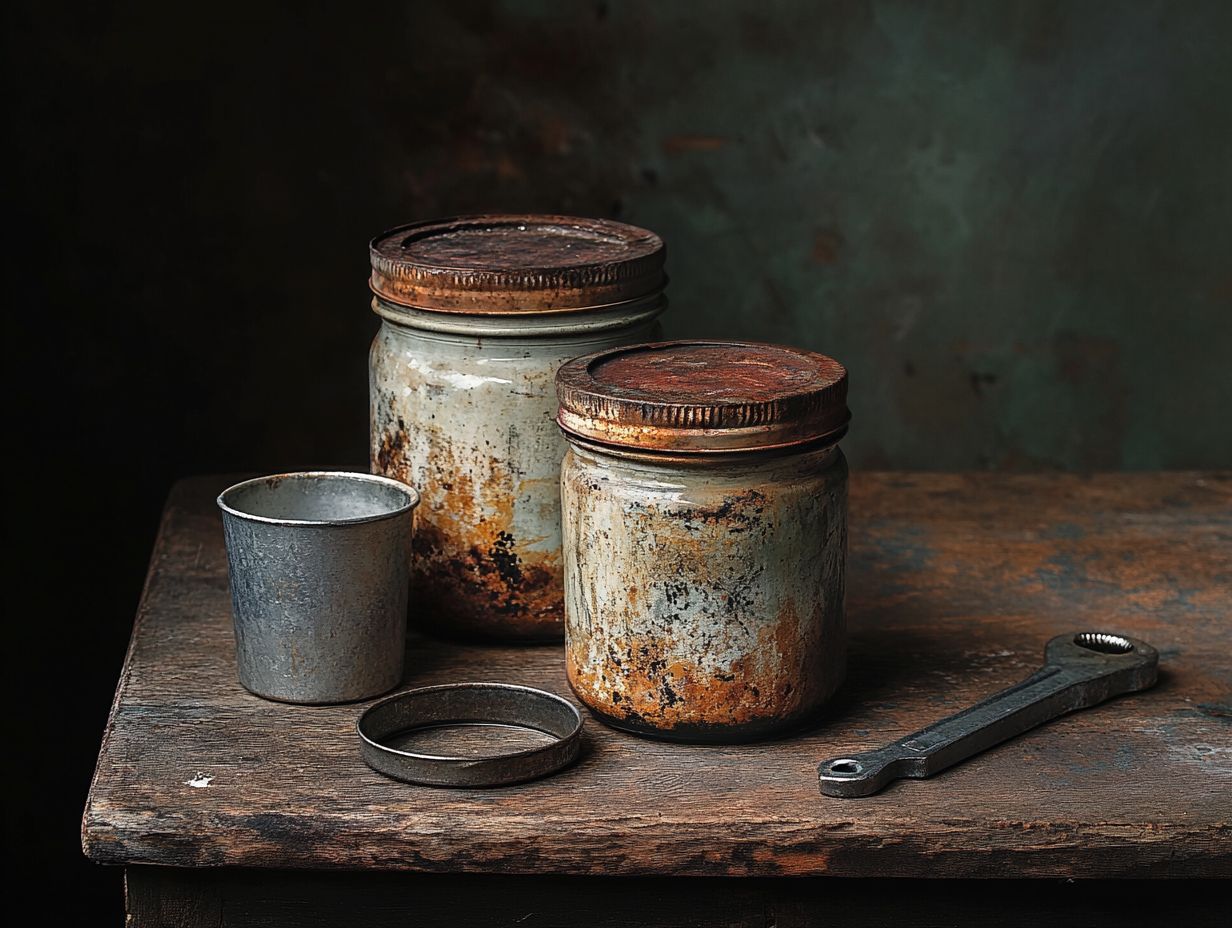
x=319 y=567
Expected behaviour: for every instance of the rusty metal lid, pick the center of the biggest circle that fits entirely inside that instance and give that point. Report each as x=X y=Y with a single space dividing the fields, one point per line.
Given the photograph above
x=703 y=396
x=476 y=265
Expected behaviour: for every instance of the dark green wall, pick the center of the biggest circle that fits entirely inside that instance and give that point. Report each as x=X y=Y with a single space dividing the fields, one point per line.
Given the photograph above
x=1013 y=221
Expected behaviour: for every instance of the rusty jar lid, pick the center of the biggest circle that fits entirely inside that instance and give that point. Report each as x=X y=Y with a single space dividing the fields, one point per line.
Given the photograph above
x=476 y=265
x=703 y=396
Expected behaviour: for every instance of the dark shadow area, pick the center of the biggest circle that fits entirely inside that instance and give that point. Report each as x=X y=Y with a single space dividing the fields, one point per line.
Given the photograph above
x=327 y=899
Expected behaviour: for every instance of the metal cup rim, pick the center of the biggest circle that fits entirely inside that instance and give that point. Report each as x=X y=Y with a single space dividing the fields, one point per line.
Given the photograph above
x=411 y=498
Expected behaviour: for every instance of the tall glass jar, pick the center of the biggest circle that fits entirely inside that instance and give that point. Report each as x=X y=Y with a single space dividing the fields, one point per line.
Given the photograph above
x=477 y=313
x=705 y=531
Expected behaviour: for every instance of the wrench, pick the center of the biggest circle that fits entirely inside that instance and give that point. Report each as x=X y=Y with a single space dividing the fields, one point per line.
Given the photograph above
x=1079 y=671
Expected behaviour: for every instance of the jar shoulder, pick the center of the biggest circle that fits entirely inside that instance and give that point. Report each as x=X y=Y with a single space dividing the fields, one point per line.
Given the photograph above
x=586 y=475
x=400 y=356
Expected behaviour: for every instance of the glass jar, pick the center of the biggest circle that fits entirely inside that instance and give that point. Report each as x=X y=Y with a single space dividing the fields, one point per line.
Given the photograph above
x=705 y=528
x=477 y=313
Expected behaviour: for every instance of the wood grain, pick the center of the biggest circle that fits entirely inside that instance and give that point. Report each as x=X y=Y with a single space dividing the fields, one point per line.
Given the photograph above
x=956 y=582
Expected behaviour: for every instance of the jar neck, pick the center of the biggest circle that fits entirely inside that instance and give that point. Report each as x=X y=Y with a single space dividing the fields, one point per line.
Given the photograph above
x=576 y=322
x=808 y=457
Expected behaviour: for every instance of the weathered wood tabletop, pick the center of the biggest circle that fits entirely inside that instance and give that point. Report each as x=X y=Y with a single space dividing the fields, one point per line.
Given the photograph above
x=955 y=583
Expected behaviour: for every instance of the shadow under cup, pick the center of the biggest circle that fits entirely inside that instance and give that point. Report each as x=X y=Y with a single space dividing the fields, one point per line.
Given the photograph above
x=320 y=566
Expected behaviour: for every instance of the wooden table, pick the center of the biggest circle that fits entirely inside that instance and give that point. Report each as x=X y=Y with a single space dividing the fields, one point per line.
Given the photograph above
x=226 y=809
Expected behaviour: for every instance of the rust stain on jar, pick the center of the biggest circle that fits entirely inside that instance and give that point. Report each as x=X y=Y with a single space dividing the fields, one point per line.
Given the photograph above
x=391 y=453
x=653 y=687
x=724 y=619
x=469 y=569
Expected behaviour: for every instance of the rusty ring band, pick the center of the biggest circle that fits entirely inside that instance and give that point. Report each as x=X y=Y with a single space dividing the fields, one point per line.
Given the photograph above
x=470 y=703
x=827 y=444
x=511 y=303
x=657 y=439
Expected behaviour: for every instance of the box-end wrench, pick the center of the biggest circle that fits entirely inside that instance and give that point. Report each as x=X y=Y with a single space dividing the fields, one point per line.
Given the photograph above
x=1079 y=671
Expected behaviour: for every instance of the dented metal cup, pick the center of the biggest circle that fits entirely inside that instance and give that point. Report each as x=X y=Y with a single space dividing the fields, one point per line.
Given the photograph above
x=477 y=315
x=319 y=576
x=705 y=530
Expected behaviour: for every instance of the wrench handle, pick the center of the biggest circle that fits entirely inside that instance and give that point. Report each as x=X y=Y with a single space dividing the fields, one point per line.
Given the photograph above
x=1055 y=689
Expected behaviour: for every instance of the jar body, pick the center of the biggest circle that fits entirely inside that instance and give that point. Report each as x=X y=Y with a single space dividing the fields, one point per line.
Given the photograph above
x=464 y=413
x=705 y=601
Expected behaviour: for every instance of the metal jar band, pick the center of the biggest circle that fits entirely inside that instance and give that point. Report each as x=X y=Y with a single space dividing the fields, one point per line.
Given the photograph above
x=470 y=703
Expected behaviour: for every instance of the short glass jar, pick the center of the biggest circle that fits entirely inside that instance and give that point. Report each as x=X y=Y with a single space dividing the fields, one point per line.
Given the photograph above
x=477 y=315
x=705 y=530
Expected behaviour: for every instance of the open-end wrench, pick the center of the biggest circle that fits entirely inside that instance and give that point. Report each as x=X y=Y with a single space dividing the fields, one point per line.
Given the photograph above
x=1079 y=671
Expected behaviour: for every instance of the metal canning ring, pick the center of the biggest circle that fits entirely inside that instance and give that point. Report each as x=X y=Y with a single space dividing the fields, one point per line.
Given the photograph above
x=470 y=703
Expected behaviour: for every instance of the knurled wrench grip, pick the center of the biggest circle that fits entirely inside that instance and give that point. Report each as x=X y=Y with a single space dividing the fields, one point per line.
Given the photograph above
x=1079 y=671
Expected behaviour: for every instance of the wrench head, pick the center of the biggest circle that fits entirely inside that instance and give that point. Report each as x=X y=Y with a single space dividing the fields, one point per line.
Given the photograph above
x=1095 y=654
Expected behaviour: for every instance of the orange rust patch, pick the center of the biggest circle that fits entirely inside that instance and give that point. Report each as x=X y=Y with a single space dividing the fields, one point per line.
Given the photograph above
x=470 y=577
x=390 y=455
x=650 y=682
x=490 y=592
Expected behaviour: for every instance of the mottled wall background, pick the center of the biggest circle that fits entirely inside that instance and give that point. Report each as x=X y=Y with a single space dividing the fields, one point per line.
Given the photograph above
x=1012 y=220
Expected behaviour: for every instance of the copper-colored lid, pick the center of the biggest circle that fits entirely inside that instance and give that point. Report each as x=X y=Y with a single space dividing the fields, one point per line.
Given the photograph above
x=699 y=396
x=515 y=264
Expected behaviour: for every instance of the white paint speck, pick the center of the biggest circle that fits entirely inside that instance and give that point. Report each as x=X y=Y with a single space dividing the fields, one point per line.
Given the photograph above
x=200 y=781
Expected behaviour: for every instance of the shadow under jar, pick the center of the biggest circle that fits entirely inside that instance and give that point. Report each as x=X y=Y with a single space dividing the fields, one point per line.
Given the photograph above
x=478 y=313
x=705 y=531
